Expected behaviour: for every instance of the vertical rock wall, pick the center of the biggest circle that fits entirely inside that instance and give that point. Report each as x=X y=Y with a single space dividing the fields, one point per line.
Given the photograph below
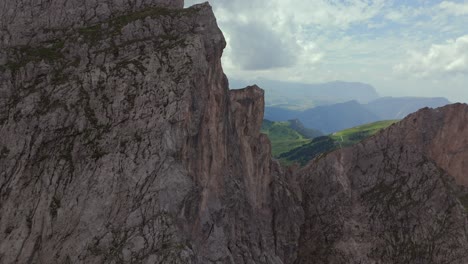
x=121 y=143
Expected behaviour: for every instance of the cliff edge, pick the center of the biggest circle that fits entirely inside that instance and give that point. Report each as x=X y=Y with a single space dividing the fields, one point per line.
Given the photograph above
x=121 y=143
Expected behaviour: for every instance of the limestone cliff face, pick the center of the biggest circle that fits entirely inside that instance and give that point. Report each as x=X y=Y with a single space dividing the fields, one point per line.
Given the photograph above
x=392 y=198
x=442 y=135
x=120 y=142
x=26 y=21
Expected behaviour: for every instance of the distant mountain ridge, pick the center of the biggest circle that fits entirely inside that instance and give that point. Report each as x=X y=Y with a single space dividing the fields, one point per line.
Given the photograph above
x=326 y=118
x=301 y=96
x=307 y=132
x=399 y=107
x=334 y=106
x=332 y=118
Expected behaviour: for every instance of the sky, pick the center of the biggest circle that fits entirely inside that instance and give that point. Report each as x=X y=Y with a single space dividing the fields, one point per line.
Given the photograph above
x=401 y=47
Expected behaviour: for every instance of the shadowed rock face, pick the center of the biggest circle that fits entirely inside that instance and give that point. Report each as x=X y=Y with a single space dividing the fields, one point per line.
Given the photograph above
x=121 y=143
x=442 y=134
x=386 y=200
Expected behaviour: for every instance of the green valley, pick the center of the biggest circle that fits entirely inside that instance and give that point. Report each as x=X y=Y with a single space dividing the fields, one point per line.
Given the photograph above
x=324 y=144
x=287 y=135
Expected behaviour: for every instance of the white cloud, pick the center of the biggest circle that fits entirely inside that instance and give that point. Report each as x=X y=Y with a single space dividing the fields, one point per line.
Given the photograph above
x=338 y=14
x=260 y=48
x=405 y=14
x=448 y=58
x=272 y=34
x=453 y=8
x=351 y=40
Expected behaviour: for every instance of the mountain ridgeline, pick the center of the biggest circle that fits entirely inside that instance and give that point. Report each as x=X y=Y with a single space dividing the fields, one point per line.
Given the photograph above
x=339 y=116
x=399 y=107
x=122 y=143
x=299 y=96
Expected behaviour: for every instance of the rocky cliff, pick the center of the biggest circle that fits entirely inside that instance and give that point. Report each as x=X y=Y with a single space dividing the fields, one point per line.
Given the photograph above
x=121 y=143
x=26 y=21
x=392 y=198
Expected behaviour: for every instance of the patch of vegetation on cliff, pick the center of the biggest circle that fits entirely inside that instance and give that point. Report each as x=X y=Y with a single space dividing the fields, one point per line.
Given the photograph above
x=91 y=34
x=154 y=12
x=355 y=134
x=54 y=206
x=131 y=65
x=114 y=26
x=4 y=152
x=464 y=201
x=49 y=51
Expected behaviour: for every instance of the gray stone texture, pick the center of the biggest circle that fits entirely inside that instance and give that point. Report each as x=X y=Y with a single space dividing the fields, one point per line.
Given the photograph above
x=23 y=21
x=120 y=142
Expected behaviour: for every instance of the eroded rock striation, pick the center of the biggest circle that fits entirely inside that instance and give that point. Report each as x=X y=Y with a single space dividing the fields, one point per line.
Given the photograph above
x=389 y=199
x=442 y=134
x=26 y=21
x=121 y=143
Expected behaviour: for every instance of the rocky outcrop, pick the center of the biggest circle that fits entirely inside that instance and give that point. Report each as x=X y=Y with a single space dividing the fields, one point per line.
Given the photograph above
x=121 y=143
x=441 y=134
x=389 y=199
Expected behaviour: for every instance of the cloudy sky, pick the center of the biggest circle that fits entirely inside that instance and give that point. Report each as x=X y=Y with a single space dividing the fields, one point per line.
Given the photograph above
x=401 y=47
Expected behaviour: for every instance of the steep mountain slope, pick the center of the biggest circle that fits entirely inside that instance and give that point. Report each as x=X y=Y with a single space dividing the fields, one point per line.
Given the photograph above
x=307 y=132
x=121 y=143
x=386 y=200
x=278 y=114
x=287 y=135
x=332 y=118
x=320 y=145
x=442 y=134
x=399 y=107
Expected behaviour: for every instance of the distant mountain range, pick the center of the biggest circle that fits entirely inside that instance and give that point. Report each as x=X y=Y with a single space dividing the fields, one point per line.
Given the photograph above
x=301 y=96
x=334 y=106
x=327 y=118
x=400 y=107
x=331 y=118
